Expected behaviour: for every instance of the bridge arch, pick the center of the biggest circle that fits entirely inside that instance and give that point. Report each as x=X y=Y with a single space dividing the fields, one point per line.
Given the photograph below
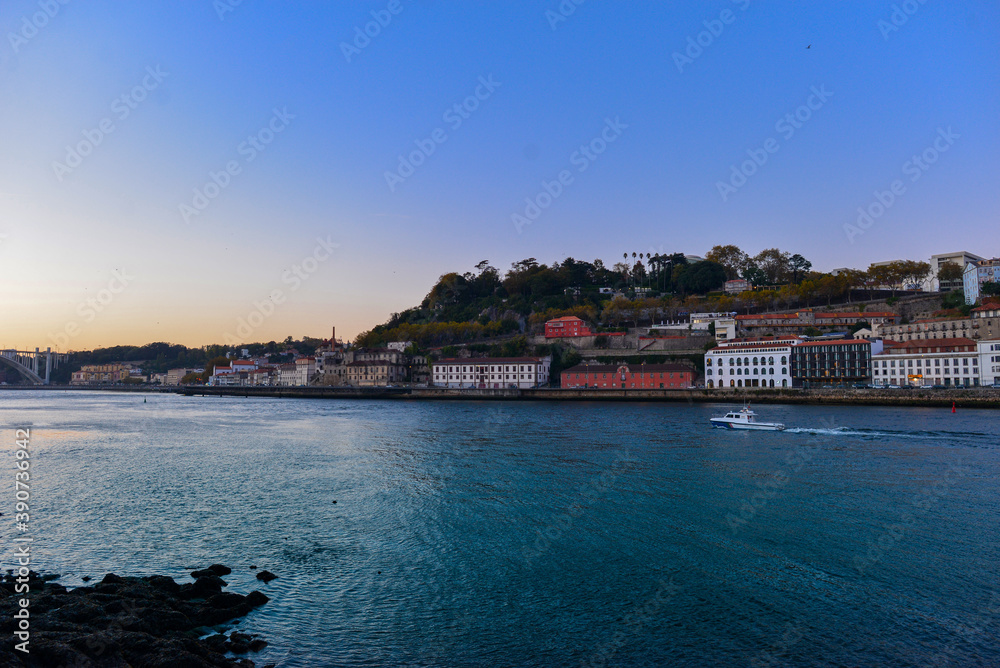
x=13 y=359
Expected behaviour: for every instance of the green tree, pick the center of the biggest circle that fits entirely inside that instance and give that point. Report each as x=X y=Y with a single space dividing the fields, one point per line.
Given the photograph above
x=732 y=259
x=774 y=264
x=797 y=266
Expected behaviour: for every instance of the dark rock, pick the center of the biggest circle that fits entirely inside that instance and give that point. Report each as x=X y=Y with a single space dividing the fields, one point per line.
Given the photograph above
x=236 y=636
x=257 y=644
x=163 y=583
x=130 y=621
x=86 y=578
x=208 y=583
x=219 y=569
x=225 y=600
x=253 y=568
x=238 y=647
x=204 y=573
x=216 y=642
x=266 y=576
x=256 y=599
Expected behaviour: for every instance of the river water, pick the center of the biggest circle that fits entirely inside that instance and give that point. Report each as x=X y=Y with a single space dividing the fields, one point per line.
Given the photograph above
x=551 y=534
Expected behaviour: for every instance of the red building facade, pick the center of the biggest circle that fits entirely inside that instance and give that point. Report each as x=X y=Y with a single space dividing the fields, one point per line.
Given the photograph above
x=628 y=377
x=566 y=327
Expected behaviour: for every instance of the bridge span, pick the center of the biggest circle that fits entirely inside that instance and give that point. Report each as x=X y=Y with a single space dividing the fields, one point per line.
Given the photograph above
x=31 y=364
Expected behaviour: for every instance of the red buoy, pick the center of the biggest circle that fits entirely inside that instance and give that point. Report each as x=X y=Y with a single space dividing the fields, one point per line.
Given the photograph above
x=953 y=407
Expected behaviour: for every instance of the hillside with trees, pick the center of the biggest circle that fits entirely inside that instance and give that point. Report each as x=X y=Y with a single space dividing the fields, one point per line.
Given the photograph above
x=641 y=288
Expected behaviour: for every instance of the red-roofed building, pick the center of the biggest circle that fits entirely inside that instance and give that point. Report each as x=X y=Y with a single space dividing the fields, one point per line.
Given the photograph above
x=932 y=328
x=566 y=326
x=750 y=363
x=986 y=320
x=809 y=318
x=491 y=372
x=831 y=363
x=628 y=377
x=948 y=362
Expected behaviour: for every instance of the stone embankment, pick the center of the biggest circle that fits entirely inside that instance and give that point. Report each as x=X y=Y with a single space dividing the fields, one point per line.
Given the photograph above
x=973 y=398
x=129 y=621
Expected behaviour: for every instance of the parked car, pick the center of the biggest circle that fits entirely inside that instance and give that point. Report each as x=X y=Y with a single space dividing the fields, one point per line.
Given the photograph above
x=995 y=386
x=927 y=387
x=958 y=386
x=939 y=387
x=892 y=387
x=860 y=386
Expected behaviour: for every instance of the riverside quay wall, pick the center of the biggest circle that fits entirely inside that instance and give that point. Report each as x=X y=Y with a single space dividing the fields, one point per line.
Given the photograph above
x=972 y=398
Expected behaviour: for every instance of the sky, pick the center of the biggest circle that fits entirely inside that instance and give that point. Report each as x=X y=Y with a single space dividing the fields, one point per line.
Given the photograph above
x=216 y=171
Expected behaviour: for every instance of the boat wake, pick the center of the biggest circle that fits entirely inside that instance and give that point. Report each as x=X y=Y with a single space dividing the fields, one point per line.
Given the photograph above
x=882 y=433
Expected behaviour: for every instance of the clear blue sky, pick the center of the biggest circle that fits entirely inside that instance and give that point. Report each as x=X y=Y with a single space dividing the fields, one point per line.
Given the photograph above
x=676 y=130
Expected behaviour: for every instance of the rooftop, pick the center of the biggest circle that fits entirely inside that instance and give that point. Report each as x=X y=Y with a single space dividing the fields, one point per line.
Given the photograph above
x=488 y=360
x=632 y=368
x=832 y=342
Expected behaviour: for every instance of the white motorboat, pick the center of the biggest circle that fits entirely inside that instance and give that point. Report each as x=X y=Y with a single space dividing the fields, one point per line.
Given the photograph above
x=744 y=419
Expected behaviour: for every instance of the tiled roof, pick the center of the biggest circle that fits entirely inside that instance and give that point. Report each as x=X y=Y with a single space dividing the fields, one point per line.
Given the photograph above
x=488 y=360
x=565 y=318
x=932 y=343
x=860 y=315
x=632 y=368
x=832 y=342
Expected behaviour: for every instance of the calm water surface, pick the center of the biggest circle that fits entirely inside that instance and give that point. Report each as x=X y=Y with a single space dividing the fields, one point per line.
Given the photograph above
x=482 y=534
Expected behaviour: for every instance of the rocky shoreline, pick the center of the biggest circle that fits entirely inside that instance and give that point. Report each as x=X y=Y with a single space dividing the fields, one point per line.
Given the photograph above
x=149 y=621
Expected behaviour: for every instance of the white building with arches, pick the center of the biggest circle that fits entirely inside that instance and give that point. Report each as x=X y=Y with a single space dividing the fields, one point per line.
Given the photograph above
x=750 y=363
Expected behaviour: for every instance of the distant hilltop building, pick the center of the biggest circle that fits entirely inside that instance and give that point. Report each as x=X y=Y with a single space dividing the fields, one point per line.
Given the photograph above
x=810 y=318
x=977 y=273
x=568 y=326
x=736 y=286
